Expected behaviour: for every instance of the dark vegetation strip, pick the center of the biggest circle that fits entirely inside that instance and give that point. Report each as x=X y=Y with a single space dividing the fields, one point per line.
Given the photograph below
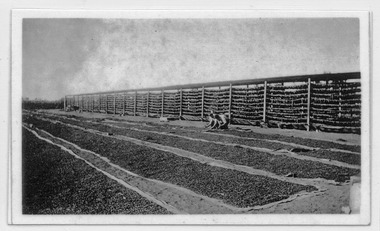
x=278 y=164
x=54 y=182
x=320 y=153
x=233 y=187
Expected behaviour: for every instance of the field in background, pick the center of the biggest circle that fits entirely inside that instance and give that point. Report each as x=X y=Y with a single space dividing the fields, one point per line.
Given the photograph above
x=42 y=104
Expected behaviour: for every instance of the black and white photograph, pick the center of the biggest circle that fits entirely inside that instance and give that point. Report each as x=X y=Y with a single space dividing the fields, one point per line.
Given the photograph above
x=160 y=116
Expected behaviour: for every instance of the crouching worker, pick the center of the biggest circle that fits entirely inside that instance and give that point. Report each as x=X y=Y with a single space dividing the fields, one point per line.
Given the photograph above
x=213 y=123
x=217 y=121
x=223 y=120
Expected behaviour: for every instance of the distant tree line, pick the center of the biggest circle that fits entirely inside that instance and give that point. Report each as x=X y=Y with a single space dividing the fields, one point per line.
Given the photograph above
x=42 y=104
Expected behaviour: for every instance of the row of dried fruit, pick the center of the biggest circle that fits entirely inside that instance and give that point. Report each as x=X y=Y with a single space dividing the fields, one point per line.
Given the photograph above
x=54 y=182
x=232 y=187
x=278 y=164
x=263 y=140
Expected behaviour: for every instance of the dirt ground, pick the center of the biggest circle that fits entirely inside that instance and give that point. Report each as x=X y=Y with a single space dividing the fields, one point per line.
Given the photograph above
x=333 y=199
x=337 y=137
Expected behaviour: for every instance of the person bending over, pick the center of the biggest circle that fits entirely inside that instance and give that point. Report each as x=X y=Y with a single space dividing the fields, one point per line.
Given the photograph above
x=213 y=122
x=223 y=121
x=218 y=121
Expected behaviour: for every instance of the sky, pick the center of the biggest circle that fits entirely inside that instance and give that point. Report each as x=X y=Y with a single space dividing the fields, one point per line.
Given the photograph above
x=70 y=56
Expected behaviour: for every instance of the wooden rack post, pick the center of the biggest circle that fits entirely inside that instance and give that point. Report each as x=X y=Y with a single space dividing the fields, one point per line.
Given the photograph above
x=124 y=104
x=106 y=104
x=340 y=99
x=218 y=101
x=203 y=102
x=162 y=102
x=147 y=104
x=230 y=104
x=135 y=104
x=180 y=103
x=114 y=104
x=308 y=103
x=64 y=104
x=265 y=101
x=100 y=102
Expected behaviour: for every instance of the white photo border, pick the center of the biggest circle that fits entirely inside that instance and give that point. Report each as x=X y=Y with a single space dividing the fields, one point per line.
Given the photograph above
x=15 y=203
